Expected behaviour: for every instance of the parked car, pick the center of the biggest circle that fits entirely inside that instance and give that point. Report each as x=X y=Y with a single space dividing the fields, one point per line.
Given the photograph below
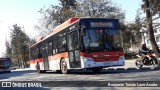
x=130 y=54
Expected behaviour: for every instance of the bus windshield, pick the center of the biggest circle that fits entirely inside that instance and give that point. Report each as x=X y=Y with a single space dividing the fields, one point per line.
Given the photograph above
x=102 y=40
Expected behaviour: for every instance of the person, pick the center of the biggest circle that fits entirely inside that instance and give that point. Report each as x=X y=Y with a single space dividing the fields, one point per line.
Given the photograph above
x=144 y=51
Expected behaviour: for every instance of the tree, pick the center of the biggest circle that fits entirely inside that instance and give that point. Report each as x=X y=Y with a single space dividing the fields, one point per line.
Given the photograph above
x=135 y=27
x=131 y=32
x=56 y=15
x=19 y=44
x=138 y=25
x=151 y=7
x=99 y=8
x=8 y=49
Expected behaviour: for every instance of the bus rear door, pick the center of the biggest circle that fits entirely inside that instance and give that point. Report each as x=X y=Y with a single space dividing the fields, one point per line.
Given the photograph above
x=45 y=57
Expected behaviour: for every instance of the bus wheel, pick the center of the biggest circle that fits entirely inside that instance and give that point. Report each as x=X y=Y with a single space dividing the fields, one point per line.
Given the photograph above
x=96 y=70
x=64 y=68
x=8 y=71
x=59 y=71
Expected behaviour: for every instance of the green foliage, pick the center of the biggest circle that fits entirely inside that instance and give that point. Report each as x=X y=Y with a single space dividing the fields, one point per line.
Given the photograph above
x=19 y=44
x=131 y=32
x=99 y=8
x=8 y=50
x=151 y=7
x=154 y=6
x=55 y=15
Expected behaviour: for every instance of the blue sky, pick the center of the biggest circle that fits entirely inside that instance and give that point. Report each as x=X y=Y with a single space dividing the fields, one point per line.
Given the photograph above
x=130 y=6
x=25 y=13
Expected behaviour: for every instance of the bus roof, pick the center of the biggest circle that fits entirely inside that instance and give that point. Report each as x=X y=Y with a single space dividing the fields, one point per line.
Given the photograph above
x=59 y=28
x=65 y=24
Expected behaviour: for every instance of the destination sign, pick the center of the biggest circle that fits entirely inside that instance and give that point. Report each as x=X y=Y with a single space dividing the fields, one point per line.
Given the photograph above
x=101 y=24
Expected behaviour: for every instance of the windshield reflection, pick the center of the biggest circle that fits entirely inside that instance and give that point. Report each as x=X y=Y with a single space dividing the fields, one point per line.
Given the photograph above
x=102 y=40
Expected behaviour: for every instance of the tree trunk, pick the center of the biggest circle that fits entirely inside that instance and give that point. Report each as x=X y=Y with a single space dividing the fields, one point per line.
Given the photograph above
x=150 y=29
x=17 y=58
x=23 y=58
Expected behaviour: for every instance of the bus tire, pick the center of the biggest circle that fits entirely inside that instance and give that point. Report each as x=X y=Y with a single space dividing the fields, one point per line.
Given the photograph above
x=8 y=71
x=97 y=70
x=63 y=67
x=59 y=71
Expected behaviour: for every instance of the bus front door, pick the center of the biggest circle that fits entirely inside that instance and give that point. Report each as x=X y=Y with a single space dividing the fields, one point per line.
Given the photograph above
x=73 y=47
x=45 y=58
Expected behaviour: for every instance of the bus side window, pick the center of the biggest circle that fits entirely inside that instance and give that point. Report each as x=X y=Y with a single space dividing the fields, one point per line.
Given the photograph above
x=54 y=47
x=36 y=53
x=59 y=44
x=31 y=54
x=75 y=40
x=39 y=53
x=62 y=44
x=46 y=49
x=50 y=49
x=41 y=50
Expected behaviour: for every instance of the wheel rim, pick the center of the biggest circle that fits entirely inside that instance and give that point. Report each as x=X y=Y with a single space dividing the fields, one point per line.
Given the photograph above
x=155 y=63
x=138 y=64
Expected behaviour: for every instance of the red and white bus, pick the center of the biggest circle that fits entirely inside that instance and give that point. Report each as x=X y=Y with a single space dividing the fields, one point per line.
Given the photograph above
x=79 y=43
x=5 y=65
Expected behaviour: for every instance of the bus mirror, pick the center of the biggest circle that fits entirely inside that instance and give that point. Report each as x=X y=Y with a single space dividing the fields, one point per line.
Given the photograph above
x=83 y=31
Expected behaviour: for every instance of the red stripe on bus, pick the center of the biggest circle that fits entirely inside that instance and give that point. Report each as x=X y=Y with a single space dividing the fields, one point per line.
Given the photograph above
x=32 y=61
x=58 y=56
x=36 y=60
x=39 y=60
x=54 y=57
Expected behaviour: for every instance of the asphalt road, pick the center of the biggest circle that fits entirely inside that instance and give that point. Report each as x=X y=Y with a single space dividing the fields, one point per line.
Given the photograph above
x=123 y=74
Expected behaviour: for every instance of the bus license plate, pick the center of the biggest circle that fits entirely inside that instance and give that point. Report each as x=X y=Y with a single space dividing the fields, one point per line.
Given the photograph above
x=107 y=63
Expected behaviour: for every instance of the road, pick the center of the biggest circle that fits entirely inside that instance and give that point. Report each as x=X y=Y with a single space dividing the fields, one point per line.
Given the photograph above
x=124 y=73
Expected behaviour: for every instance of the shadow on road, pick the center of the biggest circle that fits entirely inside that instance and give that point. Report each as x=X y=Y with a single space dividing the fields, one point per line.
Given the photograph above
x=5 y=75
x=79 y=72
x=109 y=71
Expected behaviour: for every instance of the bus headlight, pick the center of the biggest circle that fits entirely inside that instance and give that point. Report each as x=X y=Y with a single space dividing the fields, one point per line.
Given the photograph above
x=88 y=59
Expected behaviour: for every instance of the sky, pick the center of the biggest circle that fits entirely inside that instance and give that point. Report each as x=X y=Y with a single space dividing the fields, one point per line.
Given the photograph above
x=130 y=7
x=25 y=14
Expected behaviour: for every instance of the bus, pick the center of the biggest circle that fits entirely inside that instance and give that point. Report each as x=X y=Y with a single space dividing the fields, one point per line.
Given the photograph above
x=79 y=43
x=5 y=65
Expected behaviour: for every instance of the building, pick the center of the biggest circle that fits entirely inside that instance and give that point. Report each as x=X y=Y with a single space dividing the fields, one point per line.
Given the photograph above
x=156 y=28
